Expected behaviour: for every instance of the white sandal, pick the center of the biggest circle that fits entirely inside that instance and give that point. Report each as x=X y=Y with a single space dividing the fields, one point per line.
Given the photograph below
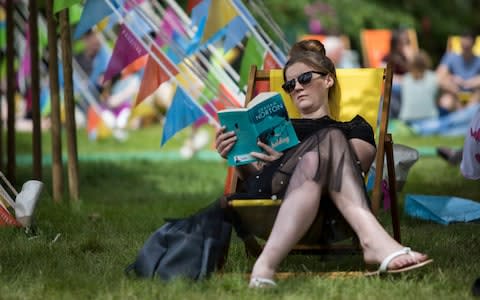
x=259 y=282
x=383 y=269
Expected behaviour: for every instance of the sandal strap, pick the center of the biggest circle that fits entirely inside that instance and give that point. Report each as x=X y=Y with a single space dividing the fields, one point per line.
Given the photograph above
x=388 y=259
x=261 y=282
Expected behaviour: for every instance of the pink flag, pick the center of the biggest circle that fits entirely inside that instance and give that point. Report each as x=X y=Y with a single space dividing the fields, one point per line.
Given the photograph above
x=127 y=49
x=155 y=74
x=171 y=22
x=129 y=4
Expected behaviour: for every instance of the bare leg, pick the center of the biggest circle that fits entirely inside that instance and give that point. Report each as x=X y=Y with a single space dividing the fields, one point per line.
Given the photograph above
x=292 y=221
x=351 y=201
x=302 y=201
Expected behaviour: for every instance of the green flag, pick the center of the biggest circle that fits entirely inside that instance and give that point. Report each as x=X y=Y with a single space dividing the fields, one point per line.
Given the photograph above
x=59 y=5
x=253 y=55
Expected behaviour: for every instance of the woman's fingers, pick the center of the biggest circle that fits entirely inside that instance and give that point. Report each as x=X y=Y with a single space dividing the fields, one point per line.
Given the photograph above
x=224 y=141
x=270 y=152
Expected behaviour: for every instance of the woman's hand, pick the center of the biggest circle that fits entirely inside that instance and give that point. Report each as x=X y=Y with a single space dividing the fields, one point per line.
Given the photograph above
x=224 y=141
x=269 y=156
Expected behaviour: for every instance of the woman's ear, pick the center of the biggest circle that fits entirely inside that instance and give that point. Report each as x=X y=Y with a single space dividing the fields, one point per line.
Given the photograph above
x=329 y=81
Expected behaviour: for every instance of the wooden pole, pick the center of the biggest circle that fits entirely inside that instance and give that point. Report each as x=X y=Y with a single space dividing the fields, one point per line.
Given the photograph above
x=11 y=163
x=65 y=37
x=56 y=126
x=35 y=88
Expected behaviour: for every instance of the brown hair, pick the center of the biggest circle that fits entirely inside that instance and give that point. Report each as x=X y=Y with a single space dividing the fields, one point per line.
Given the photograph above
x=421 y=61
x=312 y=53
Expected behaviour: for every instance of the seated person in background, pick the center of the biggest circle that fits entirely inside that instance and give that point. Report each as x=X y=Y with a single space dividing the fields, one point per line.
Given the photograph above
x=459 y=74
x=399 y=58
x=419 y=90
x=341 y=57
x=325 y=167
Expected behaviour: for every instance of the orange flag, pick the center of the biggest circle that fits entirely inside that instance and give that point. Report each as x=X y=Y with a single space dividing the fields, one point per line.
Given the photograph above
x=154 y=75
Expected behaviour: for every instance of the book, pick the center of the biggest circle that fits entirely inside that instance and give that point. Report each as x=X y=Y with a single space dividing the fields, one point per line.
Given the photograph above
x=265 y=119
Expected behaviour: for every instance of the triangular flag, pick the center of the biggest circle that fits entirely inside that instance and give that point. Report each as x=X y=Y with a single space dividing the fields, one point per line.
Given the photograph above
x=191 y=4
x=182 y=112
x=127 y=49
x=200 y=12
x=59 y=5
x=154 y=75
x=253 y=55
x=93 y=12
x=236 y=31
x=171 y=23
x=221 y=13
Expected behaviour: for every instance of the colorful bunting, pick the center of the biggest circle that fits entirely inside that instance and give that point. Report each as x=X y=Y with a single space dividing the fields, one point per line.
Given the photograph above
x=138 y=24
x=126 y=50
x=59 y=5
x=200 y=12
x=181 y=114
x=253 y=55
x=154 y=75
x=221 y=13
x=93 y=12
x=132 y=3
x=171 y=22
x=191 y=4
x=236 y=31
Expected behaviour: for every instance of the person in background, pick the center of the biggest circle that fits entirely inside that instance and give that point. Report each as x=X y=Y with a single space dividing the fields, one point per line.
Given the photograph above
x=399 y=57
x=419 y=90
x=459 y=75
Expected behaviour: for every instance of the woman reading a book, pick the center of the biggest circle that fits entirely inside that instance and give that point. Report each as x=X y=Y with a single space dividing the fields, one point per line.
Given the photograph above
x=325 y=167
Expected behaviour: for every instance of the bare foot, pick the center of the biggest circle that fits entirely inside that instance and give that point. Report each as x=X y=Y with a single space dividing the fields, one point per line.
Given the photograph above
x=376 y=255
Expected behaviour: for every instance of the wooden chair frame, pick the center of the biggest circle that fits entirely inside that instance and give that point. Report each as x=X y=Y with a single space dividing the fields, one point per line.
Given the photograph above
x=384 y=150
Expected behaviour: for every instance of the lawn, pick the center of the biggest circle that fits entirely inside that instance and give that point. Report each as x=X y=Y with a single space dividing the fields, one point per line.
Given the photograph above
x=81 y=249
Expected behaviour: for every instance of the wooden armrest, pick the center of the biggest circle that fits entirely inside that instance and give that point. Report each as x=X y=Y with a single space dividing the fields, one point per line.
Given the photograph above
x=254 y=202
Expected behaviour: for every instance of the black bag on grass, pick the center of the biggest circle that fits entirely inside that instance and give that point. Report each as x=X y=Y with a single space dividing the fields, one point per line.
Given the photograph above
x=191 y=248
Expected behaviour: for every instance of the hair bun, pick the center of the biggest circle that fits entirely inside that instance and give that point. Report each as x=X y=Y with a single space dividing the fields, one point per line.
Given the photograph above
x=308 y=45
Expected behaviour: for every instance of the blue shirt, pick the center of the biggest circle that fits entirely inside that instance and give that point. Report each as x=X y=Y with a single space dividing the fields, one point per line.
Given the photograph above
x=459 y=67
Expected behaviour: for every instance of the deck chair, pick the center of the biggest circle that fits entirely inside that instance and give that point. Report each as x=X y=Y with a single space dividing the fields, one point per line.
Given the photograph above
x=376 y=45
x=22 y=203
x=361 y=91
x=453 y=45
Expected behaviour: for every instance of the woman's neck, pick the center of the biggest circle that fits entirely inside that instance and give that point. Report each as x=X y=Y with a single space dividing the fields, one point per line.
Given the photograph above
x=319 y=113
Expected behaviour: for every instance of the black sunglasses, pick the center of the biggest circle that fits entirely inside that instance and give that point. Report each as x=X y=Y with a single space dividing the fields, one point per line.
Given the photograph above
x=303 y=79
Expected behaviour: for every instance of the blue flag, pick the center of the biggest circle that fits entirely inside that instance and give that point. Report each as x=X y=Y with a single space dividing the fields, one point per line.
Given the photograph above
x=93 y=12
x=200 y=12
x=182 y=112
x=236 y=31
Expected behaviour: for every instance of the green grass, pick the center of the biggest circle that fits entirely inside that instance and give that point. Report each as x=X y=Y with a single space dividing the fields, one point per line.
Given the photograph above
x=123 y=202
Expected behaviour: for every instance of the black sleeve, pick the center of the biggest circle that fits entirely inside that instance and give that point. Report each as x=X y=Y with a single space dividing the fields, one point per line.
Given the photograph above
x=360 y=129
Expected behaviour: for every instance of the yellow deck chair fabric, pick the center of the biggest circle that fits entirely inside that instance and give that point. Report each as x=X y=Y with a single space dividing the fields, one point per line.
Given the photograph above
x=453 y=45
x=360 y=93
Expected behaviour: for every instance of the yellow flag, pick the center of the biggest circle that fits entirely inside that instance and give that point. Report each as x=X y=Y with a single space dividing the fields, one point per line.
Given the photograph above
x=220 y=13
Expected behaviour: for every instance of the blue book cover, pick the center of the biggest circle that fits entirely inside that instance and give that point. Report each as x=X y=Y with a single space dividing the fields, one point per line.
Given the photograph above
x=264 y=119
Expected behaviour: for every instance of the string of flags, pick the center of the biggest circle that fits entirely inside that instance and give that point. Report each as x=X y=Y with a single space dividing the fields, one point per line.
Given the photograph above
x=182 y=48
